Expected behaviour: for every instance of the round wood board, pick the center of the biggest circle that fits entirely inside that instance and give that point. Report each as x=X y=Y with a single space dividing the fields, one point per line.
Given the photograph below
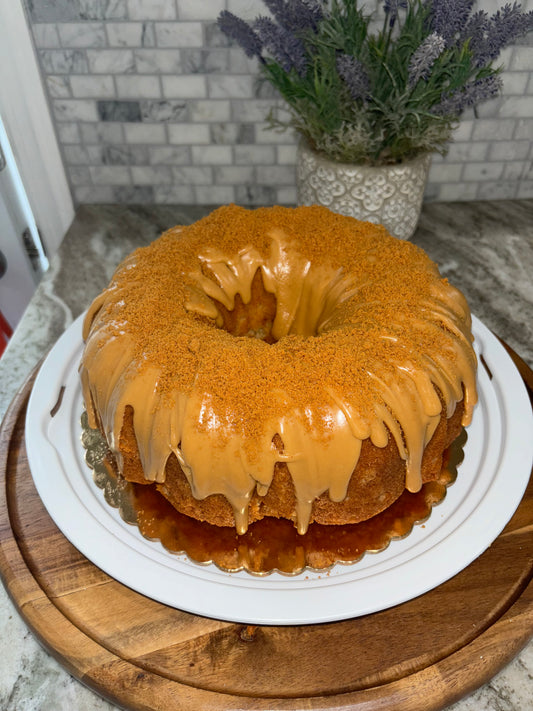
x=141 y=655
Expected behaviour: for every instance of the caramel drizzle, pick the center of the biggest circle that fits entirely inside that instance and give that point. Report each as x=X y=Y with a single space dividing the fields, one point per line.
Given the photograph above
x=212 y=455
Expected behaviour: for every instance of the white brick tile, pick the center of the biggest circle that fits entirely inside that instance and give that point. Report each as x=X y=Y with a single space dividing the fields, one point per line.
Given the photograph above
x=522 y=60
x=151 y=10
x=255 y=155
x=169 y=111
x=287 y=195
x=101 y=132
x=82 y=155
x=194 y=174
x=101 y=87
x=286 y=155
x=110 y=175
x=214 y=194
x=524 y=129
x=483 y=171
x=499 y=190
x=463 y=130
x=515 y=83
x=431 y=192
x=162 y=61
x=149 y=133
x=211 y=155
x=509 y=150
x=517 y=106
x=45 y=35
x=188 y=133
x=214 y=37
x=79 y=175
x=119 y=110
x=445 y=173
x=100 y=9
x=515 y=170
x=493 y=129
x=130 y=34
x=451 y=192
x=88 y=194
x=68 y=132
x=82 y=34
x=253 y=194
x=138 y=194
x=204 y=61
x=247 y=9
x=131 y=86
x=124 y=155
x=194 y=10
x=525 y=190
x=189 y=86
x=275 y=174
x=74 y=110
x=239 y=63
x=491 y=108
x=506 y=55
x=234 y=175
x=467 y=151
x=220 y=86
x=528 y=171
x=232 y=133
x=110 y=61
x=255 y=110
x=178 y=34
x=174 y=195
x=151 y=175
x=58 y=86
x=170 y=155
x=264 y=134
x=63 y=61
x=209 y=110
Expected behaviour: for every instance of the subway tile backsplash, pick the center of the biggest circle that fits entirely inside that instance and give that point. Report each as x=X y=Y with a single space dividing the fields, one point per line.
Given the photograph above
x=151 y=103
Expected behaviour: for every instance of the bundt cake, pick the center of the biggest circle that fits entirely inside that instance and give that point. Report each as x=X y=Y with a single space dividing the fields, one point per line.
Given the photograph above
x=283 y=362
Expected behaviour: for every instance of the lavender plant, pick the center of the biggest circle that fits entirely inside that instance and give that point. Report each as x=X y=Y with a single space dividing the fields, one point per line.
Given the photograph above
x=378 y=96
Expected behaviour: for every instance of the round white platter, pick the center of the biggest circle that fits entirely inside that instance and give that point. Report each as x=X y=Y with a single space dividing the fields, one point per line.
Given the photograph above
x=490 y=484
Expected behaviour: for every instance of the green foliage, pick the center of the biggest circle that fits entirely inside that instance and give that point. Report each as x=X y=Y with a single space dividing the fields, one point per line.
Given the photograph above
x=402 y=87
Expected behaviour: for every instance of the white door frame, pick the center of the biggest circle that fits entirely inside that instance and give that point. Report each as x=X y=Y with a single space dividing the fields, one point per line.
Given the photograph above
x=26 y=116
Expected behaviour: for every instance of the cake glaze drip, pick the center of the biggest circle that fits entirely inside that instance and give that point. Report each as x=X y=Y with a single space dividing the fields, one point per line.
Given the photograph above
x=360 y=348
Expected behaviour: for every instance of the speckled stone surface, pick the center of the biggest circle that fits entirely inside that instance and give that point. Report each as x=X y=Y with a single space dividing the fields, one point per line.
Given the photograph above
x=485 y=248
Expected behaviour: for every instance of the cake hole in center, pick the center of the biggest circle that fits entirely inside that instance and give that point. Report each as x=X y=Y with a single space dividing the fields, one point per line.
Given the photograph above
x=254 y=319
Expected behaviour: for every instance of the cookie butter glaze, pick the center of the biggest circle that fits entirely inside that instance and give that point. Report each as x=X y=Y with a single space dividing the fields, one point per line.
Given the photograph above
x=365 y=333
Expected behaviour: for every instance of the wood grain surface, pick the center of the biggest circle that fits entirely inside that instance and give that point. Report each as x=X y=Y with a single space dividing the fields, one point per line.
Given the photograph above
x=142 y=655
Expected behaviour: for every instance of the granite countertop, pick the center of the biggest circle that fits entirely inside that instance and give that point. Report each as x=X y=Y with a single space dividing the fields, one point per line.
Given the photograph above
x=485 y=248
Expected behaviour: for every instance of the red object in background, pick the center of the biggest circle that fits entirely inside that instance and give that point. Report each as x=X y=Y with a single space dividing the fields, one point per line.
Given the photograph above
x=5 y=333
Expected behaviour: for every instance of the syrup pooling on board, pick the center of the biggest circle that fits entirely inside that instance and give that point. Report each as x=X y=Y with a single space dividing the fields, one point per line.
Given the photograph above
x=269 y=544
x=364 y=328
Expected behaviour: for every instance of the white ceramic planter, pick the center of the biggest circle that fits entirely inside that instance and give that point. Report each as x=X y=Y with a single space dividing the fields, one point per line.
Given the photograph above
x=388 y=195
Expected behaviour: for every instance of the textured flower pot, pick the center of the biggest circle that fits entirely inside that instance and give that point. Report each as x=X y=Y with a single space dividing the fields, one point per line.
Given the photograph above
x=389 y=195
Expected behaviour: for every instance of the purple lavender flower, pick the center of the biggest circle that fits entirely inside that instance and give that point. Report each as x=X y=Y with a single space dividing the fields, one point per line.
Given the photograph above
x=424 y=57
x=491 y=35
x=392 y=8
x=286 y=49
x=472 y=94
x=474 y=33
x=241 y=32
x=448 y=17
x=352 y=71
x=296 y=15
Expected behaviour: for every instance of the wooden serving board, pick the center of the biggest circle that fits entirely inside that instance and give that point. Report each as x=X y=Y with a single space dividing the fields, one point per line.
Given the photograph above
x=141 y=655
